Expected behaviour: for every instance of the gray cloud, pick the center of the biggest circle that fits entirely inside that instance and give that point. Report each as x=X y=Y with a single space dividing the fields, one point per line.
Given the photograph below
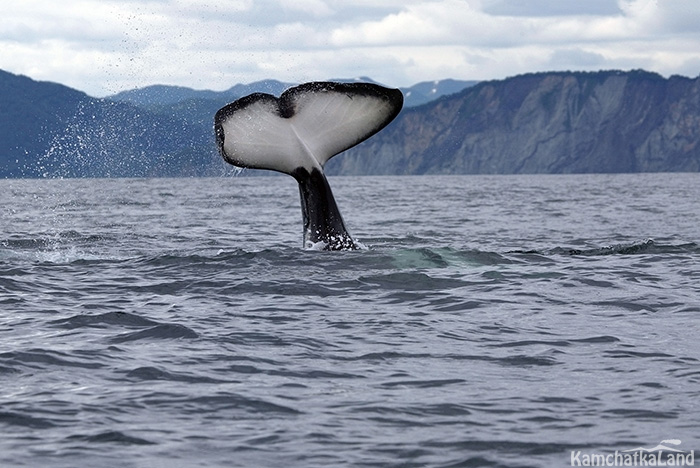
x=106 y=46
x=567 y=59
x=534 y=8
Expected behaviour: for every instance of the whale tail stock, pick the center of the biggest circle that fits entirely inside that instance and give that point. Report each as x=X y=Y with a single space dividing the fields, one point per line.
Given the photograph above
x=298 y=133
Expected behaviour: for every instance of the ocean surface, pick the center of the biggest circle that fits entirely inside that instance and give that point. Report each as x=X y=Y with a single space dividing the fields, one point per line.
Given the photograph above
x=498 y=321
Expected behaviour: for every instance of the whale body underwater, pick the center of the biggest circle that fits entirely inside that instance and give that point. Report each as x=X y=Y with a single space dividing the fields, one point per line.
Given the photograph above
x=298 y=133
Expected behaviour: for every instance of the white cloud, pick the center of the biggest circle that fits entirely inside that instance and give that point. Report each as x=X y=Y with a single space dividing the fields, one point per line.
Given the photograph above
x=315 y=8
x=34 y=21
x=441 y=22
x=104 y=46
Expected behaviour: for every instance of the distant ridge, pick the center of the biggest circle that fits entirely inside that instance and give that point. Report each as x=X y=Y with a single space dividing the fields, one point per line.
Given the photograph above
x=164 y=95
x=160 y=95
x=50 y=130
x=549 y=122
x=427 y=91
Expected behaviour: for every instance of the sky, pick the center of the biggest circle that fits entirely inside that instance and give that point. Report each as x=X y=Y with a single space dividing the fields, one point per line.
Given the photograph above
x=105 y=46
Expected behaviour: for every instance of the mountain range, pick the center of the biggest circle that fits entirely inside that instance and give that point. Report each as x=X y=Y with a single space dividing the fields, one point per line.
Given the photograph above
x=563 y=122
x=550 y=122
x=163 y=95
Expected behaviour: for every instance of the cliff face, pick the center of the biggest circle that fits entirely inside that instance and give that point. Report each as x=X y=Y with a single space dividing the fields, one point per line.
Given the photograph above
x=543 y=123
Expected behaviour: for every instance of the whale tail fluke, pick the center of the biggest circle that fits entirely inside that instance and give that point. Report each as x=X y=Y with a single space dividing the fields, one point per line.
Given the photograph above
x=298 y=133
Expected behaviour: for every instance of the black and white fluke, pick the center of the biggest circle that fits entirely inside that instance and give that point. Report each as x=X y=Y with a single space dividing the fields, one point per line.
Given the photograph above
x=298 y=133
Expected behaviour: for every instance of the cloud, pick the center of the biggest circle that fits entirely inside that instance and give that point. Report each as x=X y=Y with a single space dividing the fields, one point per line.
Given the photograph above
x=680 y=17
x=314 y=8
x=33 y=22
x=425 y=23
x=107 y=45
x=458 y=22
x=539 y=8
x=567 y=59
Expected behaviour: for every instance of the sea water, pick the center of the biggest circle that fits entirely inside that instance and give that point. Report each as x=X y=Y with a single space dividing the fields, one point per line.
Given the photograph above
x=491 y=321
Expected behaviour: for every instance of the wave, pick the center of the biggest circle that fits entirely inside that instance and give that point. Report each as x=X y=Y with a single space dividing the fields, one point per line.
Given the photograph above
x=112 y=437
x=124 y=319
x=150 y=373
x=150 y=329
x=23 y=420
x=58 y=248
x=41 y=358
x=645 y=247
x=167 y=331
x=71 y=246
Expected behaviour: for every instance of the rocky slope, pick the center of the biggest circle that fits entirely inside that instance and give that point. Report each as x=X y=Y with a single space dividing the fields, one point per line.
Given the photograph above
x=538 y=123
x=50 y=130
x=543 y=123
